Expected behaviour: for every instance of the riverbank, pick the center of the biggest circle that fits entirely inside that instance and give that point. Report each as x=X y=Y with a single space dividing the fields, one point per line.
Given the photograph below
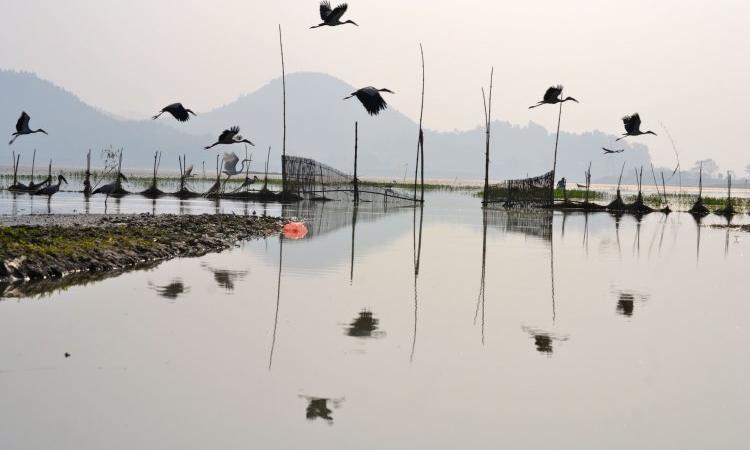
x=46 y=247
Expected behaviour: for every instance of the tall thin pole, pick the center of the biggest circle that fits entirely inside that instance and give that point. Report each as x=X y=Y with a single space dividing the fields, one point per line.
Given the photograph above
x=356 y=181
x=420 y=139
x=33 y=163
x=554 y=161
x=488 y=121
x=283 y=104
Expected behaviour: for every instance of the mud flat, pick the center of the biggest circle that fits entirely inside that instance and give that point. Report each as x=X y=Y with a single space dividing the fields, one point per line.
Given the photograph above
x=55 y=247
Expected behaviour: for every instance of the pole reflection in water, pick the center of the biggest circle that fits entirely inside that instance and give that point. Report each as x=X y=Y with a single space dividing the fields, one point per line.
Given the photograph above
x=278 y=301
x=417 y=256
x=354 y=231
x=480 y=297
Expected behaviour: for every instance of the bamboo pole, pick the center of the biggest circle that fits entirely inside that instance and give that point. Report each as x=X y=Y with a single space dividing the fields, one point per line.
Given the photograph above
x=87 y=179
x=33 y=164
x=420 y=139
x=488 y=121
x=554 y=160
x=356 y=181
x=283 y=105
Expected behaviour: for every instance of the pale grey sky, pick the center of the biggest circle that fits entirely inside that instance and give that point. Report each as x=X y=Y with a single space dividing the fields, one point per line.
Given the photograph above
x=683 y=62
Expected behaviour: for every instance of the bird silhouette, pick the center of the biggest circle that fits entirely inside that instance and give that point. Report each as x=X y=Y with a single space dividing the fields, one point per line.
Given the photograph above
x=552 y=96
x=52 y=188
x=230 y=136
x=608 y=151
x=332 y=17
x=22 y=127
x=633 y=126
x=177 y=111
x=110 y=188
x=371 y=99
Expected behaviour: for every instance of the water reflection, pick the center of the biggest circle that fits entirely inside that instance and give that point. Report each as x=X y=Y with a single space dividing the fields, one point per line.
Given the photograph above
x=626 y=301
x=365 y=325
x=417 y=256
x=318 y=408
x=172 y=290
x=543 y=341
x=226 y=278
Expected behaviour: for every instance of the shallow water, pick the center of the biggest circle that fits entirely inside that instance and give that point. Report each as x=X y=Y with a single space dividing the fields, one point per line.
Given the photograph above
x=588 y=332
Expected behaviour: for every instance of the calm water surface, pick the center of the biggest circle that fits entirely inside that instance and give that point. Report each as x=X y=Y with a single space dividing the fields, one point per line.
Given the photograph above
x=578 y=332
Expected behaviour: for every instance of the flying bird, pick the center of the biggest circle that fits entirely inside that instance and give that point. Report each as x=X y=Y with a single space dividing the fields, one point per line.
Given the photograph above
x=51 y=189
x=371 y=99
x=230 y=136
x=22 y=127
x=608 y=151
x=332 y=17
x=230 y=164
x=553 y=96
x=178 y=111
x=189 y=172
x=633 y=126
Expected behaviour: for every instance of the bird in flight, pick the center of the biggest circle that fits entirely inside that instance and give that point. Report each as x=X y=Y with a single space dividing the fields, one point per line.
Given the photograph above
x=22 y=127
x=552 y=96
x=332 y=17
x=633 y=126
x=371 y=99
x=178 y=111
x=608 y=151
x=230 y=136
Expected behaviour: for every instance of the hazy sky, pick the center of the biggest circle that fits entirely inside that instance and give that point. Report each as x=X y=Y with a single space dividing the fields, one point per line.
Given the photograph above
x=684 y=63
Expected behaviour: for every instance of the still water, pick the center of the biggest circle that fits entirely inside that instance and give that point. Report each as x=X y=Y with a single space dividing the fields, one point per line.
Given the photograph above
x=521 y=330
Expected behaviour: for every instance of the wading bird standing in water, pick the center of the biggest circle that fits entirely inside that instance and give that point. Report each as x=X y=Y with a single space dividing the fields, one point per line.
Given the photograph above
x=51 y=189
x=332 y=17
x=371 y=99
x=552 y=96
x=633 y=126
x=230 y=136
x=178 y=111
x=22 y=127
x=608 y=151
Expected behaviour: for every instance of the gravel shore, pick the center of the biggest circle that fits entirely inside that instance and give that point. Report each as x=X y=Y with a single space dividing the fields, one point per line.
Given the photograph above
x=49 y=247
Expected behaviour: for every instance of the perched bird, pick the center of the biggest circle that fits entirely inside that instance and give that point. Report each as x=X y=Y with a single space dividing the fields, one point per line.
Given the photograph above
x=552 y=96
x=51 y=189
x=371 y=99
x=178 y=111
x=608 y=151
x=633 y=126
x=332 y=17
x=110 y=188
x=230 y=136
x=22 y=127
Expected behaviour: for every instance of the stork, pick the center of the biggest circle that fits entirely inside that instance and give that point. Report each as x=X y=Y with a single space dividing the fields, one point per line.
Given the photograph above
x=371 y=99
x=177 y=111
x=110 y=188
x=230 y=136
x=51 y=189
x=332 y=17
x=22 y=127
x=633 y=126
x=553 y=96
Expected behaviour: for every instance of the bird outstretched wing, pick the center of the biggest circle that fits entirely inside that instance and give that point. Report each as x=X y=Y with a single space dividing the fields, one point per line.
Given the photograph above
x=178 y=112
x=325 y=10
x=23 y=122
x=553 y=93
x=371 y=100
x=632 y=123
x=189 y=170
x=229 y=134
x=230 y=161
x=337 y=12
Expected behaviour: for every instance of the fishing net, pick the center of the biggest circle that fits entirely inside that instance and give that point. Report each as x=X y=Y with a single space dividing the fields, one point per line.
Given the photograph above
x=528 y=222
x=314 y=180
x=522 y=192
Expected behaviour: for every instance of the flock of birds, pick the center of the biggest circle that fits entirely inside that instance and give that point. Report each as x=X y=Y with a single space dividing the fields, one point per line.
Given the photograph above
x=370 y=98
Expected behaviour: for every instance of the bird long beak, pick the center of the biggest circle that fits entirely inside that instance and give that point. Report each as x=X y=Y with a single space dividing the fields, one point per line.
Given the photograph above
x=63 y=178
x=348 y=97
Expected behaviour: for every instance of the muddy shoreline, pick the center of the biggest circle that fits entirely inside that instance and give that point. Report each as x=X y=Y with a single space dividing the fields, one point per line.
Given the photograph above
x=37 y=248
